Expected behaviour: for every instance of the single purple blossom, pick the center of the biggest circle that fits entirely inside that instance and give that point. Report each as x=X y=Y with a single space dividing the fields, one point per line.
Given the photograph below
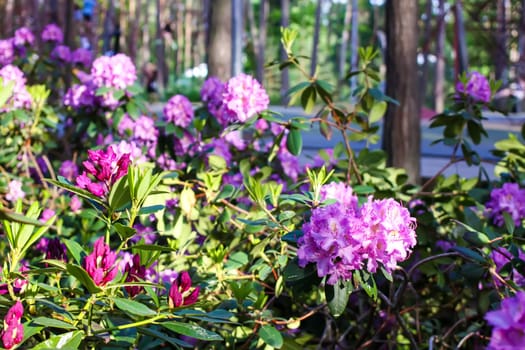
x=80 y=96
x=68 y=169
x=244 y=97
x=100 y=264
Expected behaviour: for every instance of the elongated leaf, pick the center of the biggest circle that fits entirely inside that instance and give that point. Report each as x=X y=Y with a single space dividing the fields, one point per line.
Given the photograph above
x=294 y=142
x=78 y=191
x=191 y=330
x=133 y=307
x=83 y=277
x=66 y=341
x=75 y=250
x=271 y=336
x=53 y=323
x=377 y=112
x=337 y=296
x=119 y=197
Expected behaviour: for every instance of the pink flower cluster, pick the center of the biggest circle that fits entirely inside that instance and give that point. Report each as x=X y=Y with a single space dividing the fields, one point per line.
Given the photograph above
x=178 y=110
x=477 y=87
x=20 y=97
x=10 y=47
x=180 y=293
x=106 y=167
x=236 y=100
x=117 y=72
x=244 y=97
x=508 y=324
x=13 y=332
x=14 y=191
x=510 y=198
x=343 y=237
x=100 y=264
x=113 y=71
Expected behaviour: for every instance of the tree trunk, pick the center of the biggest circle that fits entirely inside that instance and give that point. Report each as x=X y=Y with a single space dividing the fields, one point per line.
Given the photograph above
x=261 y=42
x=439 y=101
x=237 y=34
x=317 y=29
x=285 y=76
x=354 y=42
x=188 y=28
x=219 y=48
x=160 y=50
x=108 y=27
x=344 y=41
x=425 y=50
x=500 y=44
x=460 y=39
x=401 y=133
x=135 y=7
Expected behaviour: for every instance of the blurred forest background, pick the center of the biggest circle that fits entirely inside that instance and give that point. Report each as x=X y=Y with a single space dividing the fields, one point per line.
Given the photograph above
x=183 y=41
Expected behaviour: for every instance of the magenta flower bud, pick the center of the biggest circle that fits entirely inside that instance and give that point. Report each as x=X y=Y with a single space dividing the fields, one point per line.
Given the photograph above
x=180 y=294
x=135 y=273
x=13 y=332
x=100 y=264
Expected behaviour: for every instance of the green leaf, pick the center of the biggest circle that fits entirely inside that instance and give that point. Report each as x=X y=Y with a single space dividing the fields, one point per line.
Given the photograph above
x=53 y=323
x=377 y=112
x=119 y=196
x=292 y=236
x=308 y=98
x=78 y=191
x=123 y=231
x=83 y=277
x=236 y=260
x=271 y=336
x=75 y=250
x=337 y=296
x=470 y=254
x=191 y=330
x=66 y=341
x=226 y=192
x=294 y=142
x=133 y=307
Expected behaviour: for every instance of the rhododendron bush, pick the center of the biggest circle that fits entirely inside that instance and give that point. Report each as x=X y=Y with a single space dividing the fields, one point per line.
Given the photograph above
x=203 y=225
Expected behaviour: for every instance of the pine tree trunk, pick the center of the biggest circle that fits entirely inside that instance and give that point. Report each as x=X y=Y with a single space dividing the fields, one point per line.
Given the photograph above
x=401 y=133
x=261 y=42
x=317 y=29
x=237 y=34
x=439 y=97
x=160 y=50
x=344 y=41
x=219 y=48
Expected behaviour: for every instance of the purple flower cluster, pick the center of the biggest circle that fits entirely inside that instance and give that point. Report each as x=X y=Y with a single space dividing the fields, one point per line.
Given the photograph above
x=7 y=52
x=14 y=191
x=508 y=323
x=117 y=72
x=61 y=53
x=20 y=97
x=476 y=87
x=113 y=71
x=106 y=167
x=82 y=56
x=100 y=264
x=343 y=237
x=13 y=332
x=23 y=36
x=244 y=97
x=53 y=33
x=10 y=47
x=179 y=111
x=510 y=198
